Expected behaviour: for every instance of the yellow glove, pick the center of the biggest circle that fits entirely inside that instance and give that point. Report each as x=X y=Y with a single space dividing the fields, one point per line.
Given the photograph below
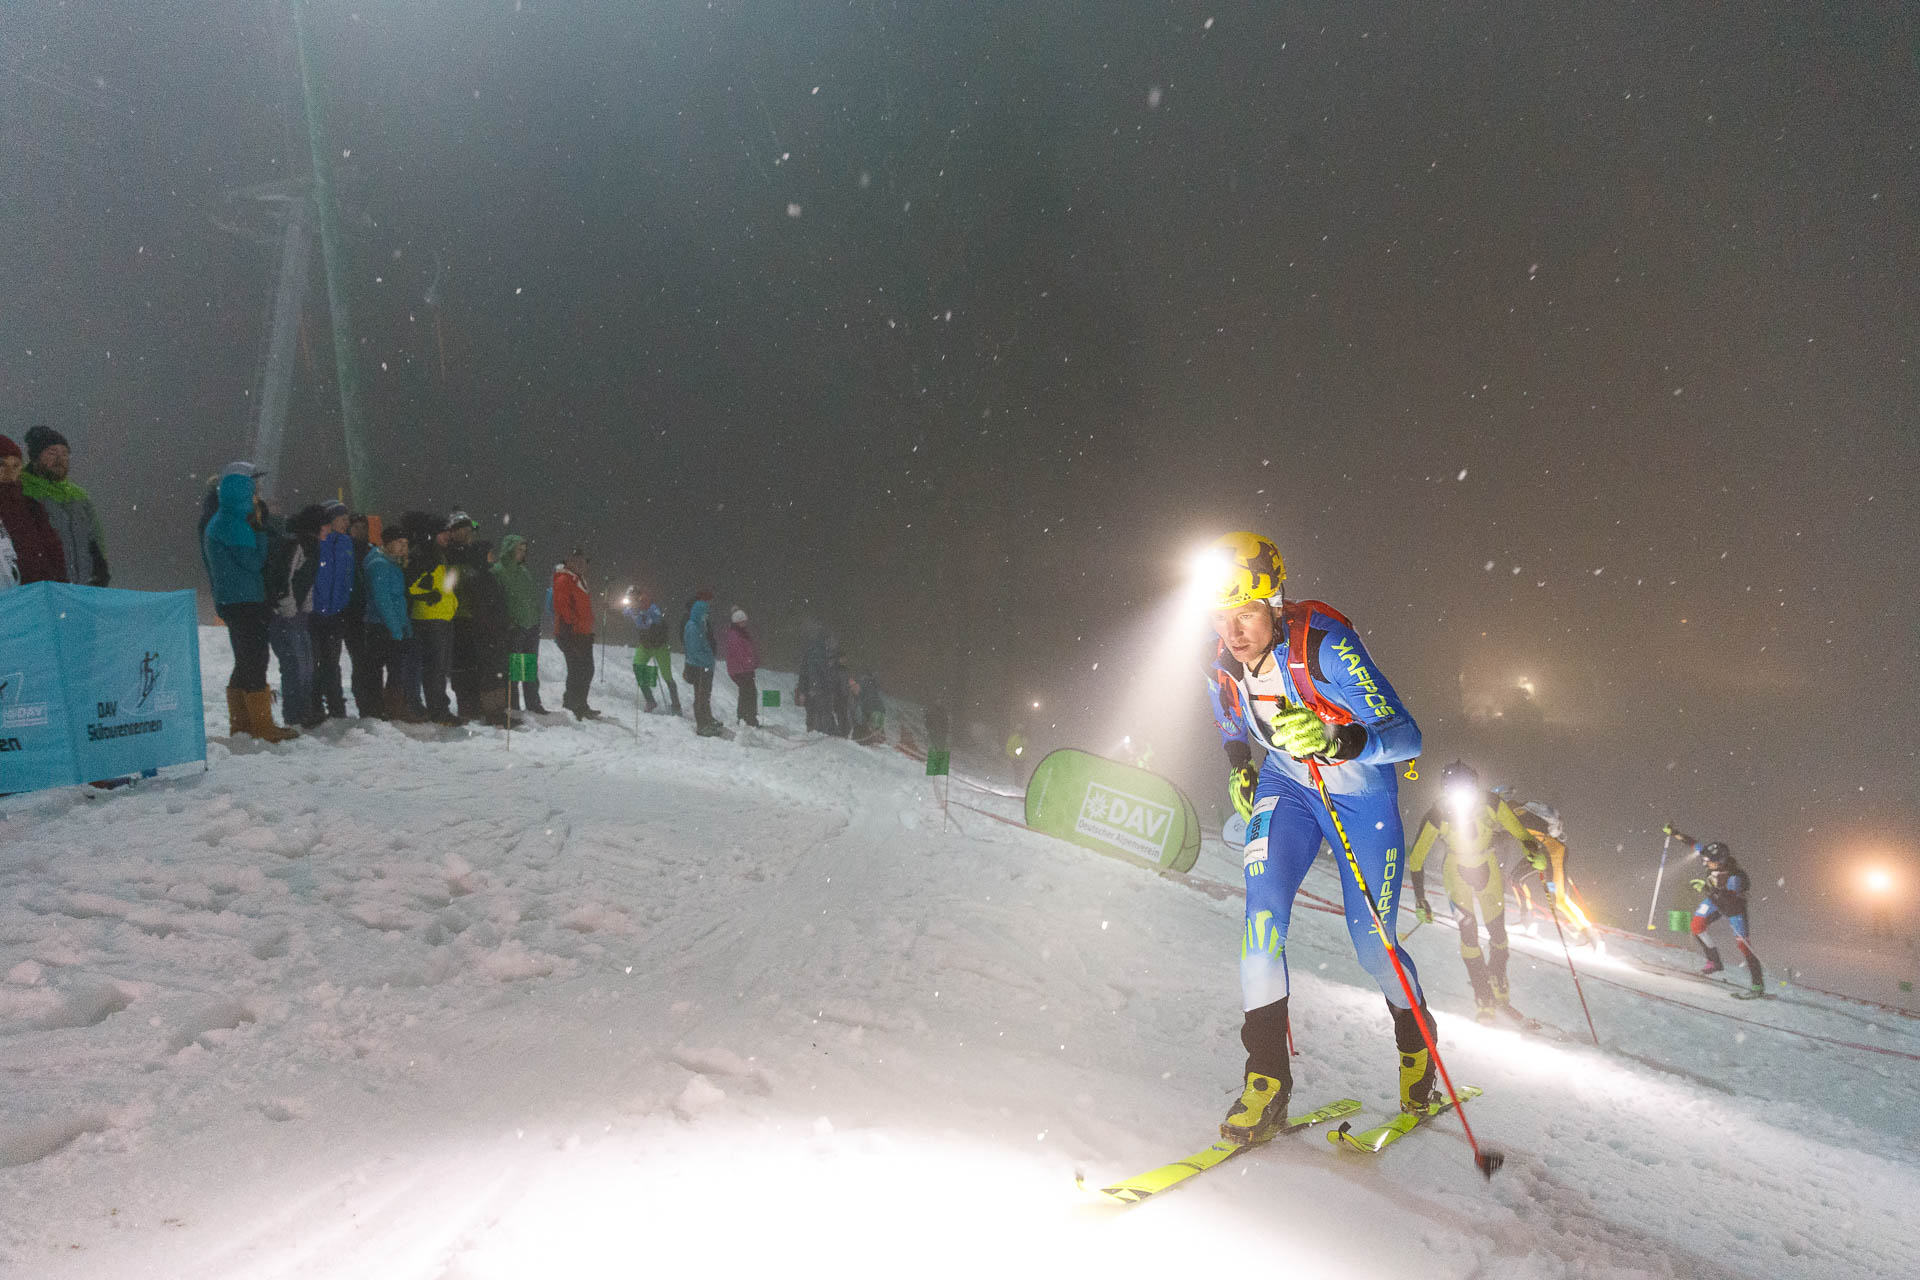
x=1536 y=856
x=1699 y=886
x=1300 y=733
x=1241 y=781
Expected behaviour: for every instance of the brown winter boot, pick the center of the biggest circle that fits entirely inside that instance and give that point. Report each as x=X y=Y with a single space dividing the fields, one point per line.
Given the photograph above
x=237 y=712
x=260 y=718
x=398 y=710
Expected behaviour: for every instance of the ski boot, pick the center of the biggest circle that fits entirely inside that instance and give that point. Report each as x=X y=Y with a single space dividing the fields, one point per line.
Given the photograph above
x=1712 y=966
x=1416 y=1082
x=1483 y=1011
x=1260 y=1113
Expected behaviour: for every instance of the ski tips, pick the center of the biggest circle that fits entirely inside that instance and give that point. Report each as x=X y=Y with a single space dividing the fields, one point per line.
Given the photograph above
x=1489 y=1163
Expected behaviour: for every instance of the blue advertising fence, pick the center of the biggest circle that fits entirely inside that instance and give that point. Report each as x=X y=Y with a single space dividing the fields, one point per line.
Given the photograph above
x=96 y=683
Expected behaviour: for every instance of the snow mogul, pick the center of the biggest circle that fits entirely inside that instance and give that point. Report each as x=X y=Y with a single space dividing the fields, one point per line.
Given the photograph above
x=1467 y=819
x=1725 y=886
x=1293 y=678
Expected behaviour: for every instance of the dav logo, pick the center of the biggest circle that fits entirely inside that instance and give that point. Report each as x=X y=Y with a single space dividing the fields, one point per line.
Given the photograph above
x=1136 y=825
x=14 y=712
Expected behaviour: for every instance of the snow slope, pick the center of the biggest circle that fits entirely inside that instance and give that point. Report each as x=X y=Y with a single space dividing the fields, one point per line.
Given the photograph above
x=612 y=999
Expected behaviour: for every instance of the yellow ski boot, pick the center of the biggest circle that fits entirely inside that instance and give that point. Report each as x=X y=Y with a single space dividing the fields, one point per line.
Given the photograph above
x=1416 y=1082
x=1260 y=1113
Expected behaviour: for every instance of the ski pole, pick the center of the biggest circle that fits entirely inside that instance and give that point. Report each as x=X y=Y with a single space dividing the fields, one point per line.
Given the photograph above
x=1568 y=952
x=1655 y=904
x=1489 y=1161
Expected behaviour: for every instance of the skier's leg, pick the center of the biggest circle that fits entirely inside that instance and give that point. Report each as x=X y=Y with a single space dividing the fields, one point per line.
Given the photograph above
x=1282 y=839
x=1738 y=923
x=1704 y=915
x=1491 y=898
x=1461 y=894
x=1372 y=822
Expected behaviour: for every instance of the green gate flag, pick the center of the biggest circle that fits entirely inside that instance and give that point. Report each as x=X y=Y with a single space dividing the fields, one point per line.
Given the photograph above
x=937 y=764
x=1114 y=808
x=769 y=697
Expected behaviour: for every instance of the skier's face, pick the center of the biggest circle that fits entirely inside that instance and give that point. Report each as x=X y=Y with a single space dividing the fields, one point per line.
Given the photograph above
x=10 y=469
x=1248 y=630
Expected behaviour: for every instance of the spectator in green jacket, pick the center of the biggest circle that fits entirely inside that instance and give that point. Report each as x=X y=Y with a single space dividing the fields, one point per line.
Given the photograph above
x=523 y=624
x=67 y=505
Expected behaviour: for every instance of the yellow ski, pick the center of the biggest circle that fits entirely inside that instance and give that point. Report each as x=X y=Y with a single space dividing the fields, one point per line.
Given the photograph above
x=1154 y=1181
x=1372 y=1140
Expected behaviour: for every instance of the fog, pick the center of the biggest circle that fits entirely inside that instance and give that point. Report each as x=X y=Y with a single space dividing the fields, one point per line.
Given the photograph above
x=1570 y=354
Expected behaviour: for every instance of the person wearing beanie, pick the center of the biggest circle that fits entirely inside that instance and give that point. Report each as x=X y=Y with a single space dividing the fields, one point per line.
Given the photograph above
x=743 y=660
x=69 y=509
x=336 y=567
x=30 y=550
x=434 y=601
x=368 y=697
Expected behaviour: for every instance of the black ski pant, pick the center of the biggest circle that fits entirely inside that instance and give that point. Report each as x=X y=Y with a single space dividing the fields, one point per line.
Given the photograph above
x=247 y=632
x=578 y=651
x=366 y=673
x=329 y=634
x=436 y=664
x=747 y=706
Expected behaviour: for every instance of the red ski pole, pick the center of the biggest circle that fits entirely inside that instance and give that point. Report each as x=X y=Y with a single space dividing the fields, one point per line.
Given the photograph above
x=1490 y=1160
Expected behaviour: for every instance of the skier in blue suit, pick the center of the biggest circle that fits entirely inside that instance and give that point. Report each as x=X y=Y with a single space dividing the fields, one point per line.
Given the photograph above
x=1294 y=677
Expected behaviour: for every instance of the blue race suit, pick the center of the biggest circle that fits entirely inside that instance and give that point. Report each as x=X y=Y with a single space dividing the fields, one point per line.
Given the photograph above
x=1289 y=821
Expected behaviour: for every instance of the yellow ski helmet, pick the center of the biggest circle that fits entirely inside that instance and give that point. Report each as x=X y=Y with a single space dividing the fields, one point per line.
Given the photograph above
x=1240 y=568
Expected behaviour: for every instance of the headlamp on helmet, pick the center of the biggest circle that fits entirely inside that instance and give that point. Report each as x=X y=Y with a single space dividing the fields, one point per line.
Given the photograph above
x=1237 y=570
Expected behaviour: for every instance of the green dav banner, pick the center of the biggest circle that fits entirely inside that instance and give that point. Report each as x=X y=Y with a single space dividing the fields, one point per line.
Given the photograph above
x=769 y=697
x=1114 y=808
x=937 y=764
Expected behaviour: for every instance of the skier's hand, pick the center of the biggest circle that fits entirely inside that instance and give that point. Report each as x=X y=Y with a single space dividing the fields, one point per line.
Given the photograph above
x=1668 y=830
x=1423 y=912
x=1241 y=781
x=1301 y=733
x=1699 y=886
x=1536 y=856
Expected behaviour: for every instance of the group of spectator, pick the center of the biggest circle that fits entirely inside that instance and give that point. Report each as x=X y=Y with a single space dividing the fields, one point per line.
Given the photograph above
x=836 y=701
x=49 y=529
x=440 y=626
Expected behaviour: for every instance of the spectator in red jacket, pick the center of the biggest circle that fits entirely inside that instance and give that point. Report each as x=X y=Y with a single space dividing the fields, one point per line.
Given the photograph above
x=742 y=662
x=30 y=549
x=573 y=631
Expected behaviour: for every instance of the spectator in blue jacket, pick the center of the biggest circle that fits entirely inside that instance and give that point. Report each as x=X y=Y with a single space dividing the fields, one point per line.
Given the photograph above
x=387 y=633
x=332 y=593
x=696 y=639
x=235 y=551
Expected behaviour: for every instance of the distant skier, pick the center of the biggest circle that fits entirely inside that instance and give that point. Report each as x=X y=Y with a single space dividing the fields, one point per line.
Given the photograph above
x=1294 y=677
x=1542 y=822
x=652 y=659
x=1725 y=886
x=1468 y=819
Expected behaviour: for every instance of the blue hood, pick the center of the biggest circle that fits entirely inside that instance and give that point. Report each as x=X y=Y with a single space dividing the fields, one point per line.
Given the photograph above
x=229 y=523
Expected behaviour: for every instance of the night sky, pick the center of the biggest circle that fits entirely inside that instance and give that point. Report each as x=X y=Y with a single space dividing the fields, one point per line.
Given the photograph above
x=1568 y=346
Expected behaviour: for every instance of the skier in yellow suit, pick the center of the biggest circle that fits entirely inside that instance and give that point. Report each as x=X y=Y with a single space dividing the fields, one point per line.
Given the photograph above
x=1469 y=819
